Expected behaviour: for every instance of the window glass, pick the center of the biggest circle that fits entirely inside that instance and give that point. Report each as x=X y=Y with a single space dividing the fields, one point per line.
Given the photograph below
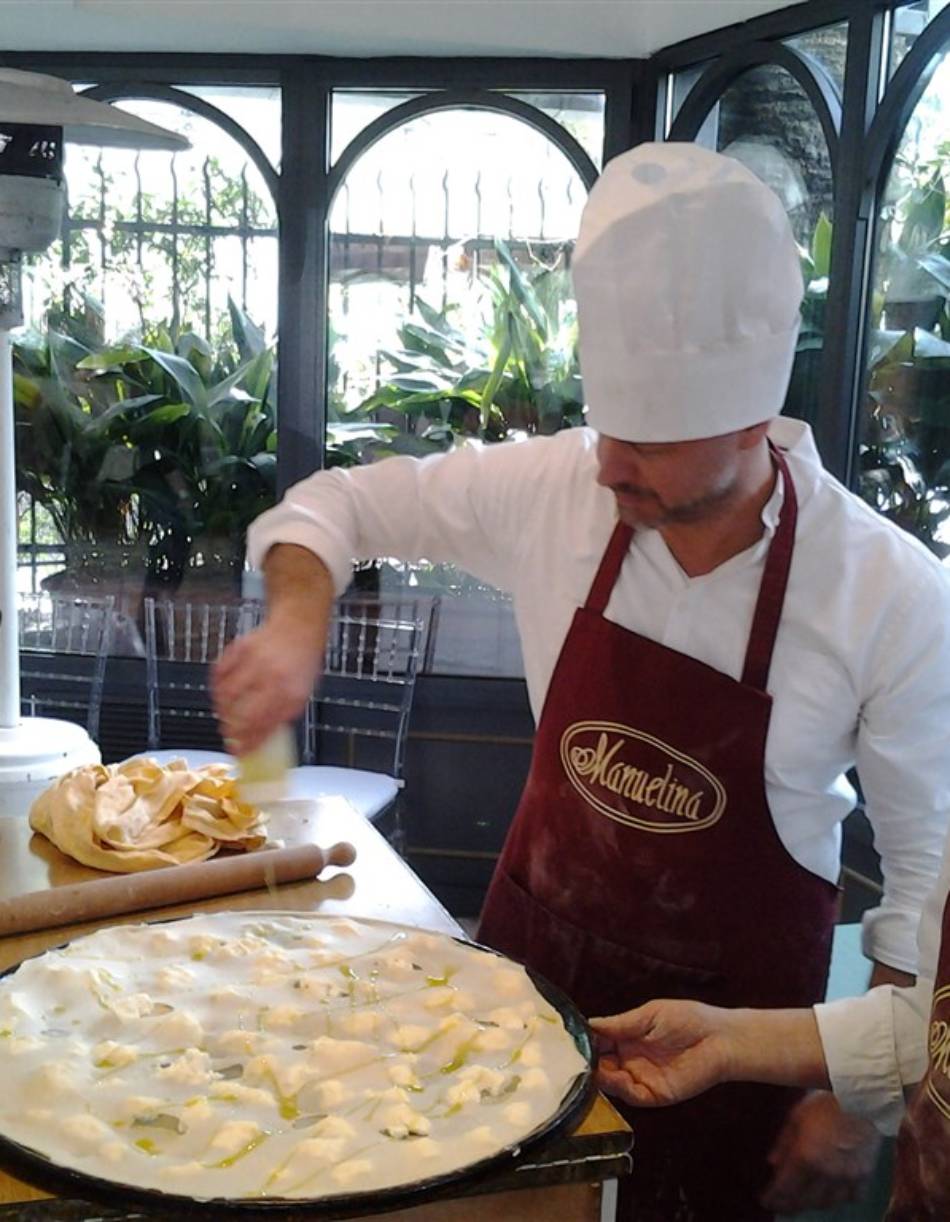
x=766 y=120
x=829 y=46
x=145 y=408
x=908 y=22
x=904 y=435
x=452 y=322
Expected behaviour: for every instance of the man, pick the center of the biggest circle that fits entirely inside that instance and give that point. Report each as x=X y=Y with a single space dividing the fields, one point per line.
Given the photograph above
x=714 y=631
x=871 y=1050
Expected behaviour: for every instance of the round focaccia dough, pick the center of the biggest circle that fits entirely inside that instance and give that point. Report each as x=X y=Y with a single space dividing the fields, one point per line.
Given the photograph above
x=255 y=1055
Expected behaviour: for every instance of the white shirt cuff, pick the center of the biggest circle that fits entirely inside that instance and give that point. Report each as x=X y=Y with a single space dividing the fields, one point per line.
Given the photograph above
x=876 y=1049
x=857 y=1034
x=275 y=527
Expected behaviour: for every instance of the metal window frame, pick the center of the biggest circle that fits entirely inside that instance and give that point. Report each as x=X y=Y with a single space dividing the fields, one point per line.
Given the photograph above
x=303 y=187
x=809 y=73
x=865 y=128
x=869 y=130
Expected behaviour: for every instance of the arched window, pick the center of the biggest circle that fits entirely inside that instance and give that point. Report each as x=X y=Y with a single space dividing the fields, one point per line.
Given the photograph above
x=451 y=318
x=777 y=109
x=146 y=416
x=904 y=424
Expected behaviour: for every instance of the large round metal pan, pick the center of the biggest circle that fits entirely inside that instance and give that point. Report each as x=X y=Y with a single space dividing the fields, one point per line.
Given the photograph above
x=37 y=1169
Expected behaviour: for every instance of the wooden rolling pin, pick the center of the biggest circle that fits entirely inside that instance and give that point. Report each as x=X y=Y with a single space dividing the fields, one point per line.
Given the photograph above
x=104 y=897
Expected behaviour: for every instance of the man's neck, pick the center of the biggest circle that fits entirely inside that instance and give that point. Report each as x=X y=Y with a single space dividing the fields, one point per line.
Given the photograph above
x=700 y=547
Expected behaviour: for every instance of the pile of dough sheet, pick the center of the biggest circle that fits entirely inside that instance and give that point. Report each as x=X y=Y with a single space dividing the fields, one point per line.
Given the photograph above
x=276 y=1055
x=141 y=814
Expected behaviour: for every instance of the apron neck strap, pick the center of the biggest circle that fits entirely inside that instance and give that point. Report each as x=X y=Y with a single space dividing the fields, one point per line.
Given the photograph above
x=768 y=608
x=610 y=565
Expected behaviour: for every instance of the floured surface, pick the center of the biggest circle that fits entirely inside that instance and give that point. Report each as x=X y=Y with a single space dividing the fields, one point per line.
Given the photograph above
x=245 y=1055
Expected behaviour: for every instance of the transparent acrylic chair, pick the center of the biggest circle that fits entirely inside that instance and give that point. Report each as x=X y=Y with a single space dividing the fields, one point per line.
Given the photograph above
x=356 y=723
x=64 y=642
x=182 y=641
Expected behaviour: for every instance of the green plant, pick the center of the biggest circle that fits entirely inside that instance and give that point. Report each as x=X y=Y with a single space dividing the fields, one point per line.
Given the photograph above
x=905 y=451
x=517 y=374
x=904 y=456
x=157 y=442
x=802 y=400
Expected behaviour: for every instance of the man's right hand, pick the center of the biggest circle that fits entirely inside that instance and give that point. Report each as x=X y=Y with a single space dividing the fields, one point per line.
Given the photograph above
x=264 y=679
x=261 y=681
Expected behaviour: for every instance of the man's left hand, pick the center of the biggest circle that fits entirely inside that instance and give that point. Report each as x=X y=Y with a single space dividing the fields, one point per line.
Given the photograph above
x=823 y=1157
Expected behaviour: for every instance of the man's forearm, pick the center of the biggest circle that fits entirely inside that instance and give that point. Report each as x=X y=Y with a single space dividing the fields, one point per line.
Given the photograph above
x=300 y=591
x=776 y=1046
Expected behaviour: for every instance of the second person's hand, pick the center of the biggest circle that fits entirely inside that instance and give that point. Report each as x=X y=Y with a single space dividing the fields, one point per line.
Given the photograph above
x=662 y=1052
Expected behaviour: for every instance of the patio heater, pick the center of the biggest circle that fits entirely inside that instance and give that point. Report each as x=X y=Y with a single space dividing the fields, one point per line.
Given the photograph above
x=38 y=114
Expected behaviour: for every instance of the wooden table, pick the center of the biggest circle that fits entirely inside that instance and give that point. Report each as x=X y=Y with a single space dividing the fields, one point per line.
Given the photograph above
x=573 y=1179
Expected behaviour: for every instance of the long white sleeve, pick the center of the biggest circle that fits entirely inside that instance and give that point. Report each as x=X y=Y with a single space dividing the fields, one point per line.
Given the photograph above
x=876 y=1045
x=902 y=758
x=469 y=507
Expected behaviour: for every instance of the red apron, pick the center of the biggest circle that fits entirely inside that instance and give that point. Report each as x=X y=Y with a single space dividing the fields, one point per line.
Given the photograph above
x=921 y=1190
x=643 y=862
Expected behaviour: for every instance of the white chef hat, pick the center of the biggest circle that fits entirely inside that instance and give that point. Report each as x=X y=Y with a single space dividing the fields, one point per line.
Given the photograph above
x=688 y=289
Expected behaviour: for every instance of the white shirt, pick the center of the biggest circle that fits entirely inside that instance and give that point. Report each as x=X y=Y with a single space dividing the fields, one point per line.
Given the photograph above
x=876 y=1045
x=861 y=669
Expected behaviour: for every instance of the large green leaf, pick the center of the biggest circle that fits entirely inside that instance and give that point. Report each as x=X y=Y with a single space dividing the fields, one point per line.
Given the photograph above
x=821 y=247
x=890 y=346
x=494 y=381
x=183 y=374
x=31 y=354
x=114 y=358
x=927 y=345
x=169 y=413
x=249 y=381
x=926 y=211
x=937 y=266
x=438 y=321
x=26 y=393
x=248 y=336
x=197 y=352
x=124 y=410
x=417 y=338
x=416 y=382
x=521 y=289
x=404 y=362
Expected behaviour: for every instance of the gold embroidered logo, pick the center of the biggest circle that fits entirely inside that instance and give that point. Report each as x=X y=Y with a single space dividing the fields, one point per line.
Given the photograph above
x=636 y=779
x=938 y=1079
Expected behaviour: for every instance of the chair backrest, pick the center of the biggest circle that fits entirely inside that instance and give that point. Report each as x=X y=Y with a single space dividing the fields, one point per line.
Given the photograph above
x=182 y=639
x=359 y=715
x=64 y=647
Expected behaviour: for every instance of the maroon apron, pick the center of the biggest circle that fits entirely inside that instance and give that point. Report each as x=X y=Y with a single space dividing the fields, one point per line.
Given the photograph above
x=921 y=1190
x=643 y=862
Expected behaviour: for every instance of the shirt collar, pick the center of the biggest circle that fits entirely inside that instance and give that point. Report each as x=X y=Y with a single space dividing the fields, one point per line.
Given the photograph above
x=797 y=443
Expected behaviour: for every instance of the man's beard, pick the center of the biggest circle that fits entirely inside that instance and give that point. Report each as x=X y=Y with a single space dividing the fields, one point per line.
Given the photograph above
x=652 y=513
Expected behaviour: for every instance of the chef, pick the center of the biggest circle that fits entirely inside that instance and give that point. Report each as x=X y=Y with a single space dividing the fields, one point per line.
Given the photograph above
x=714 y=632
x=873 y=1051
